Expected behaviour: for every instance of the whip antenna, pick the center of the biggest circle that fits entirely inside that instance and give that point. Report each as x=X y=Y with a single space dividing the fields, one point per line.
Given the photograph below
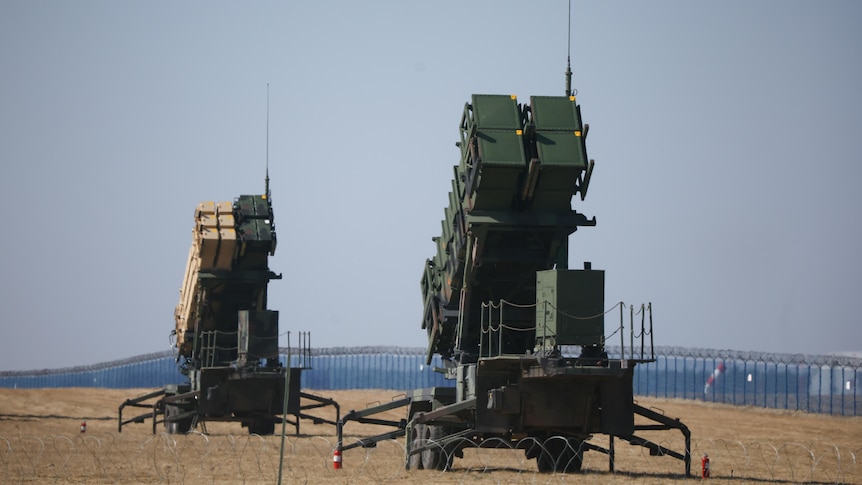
x=266 y=181
x=569 y=55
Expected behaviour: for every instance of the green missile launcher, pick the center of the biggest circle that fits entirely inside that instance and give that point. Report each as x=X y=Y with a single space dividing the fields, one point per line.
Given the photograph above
x=509 y=214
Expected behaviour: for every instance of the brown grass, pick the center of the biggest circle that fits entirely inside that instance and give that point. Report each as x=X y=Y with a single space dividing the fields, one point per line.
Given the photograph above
x=40 y=442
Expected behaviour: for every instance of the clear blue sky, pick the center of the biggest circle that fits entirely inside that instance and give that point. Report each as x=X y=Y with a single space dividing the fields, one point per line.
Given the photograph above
x=726 y=137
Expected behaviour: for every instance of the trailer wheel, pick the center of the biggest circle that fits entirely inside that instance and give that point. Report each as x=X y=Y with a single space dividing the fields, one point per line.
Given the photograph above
x=438 y=457
x=557 y=457
x=263 y=427
x=172 y=426
x=414 y=462
x=573 y=457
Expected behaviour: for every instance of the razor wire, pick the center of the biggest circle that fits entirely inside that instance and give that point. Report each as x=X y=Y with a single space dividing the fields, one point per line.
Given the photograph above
x=197 y=458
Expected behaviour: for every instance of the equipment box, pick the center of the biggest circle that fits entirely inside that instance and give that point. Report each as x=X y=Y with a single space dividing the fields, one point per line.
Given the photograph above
x=570 y=306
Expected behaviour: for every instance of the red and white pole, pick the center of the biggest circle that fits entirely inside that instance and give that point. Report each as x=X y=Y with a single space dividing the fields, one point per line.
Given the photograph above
x=83 y=426
x=704 y=466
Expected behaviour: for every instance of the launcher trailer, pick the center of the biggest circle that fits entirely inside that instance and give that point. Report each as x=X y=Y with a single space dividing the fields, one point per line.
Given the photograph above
x=520 y=334
x=226 y=338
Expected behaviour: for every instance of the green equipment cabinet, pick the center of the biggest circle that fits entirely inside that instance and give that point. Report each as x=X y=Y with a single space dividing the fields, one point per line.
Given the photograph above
x=570 y=307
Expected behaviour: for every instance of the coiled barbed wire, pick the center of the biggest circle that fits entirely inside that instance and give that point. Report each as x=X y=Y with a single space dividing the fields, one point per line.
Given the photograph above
x=196 y=458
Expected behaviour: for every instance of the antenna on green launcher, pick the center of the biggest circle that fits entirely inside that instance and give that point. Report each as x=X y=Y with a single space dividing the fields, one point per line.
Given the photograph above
x=266 y=180
x=569 y=56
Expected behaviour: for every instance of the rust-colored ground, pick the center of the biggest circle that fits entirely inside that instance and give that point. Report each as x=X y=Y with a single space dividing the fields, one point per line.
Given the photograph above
x=40 y=442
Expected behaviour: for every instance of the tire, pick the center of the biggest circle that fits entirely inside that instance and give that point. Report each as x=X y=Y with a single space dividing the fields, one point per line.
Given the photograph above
x=438 y=457
x=414 y=462
x=573 y=457
x=182 y=426
x=546 y=461
x=262 y=427
x=557 y=457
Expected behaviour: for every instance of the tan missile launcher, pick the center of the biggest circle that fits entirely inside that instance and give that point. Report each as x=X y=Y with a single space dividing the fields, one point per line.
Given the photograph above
x=226 y=338
x=214 y=248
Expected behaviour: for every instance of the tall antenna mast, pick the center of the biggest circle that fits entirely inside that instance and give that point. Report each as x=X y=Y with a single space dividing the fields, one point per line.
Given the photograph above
x=569 y=55
x=266 y=182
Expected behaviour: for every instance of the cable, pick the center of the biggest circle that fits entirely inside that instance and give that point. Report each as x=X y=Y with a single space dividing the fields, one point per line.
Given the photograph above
x=561 y=312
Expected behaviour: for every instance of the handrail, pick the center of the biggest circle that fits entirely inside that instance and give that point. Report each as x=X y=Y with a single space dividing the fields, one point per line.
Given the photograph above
x=493 y=326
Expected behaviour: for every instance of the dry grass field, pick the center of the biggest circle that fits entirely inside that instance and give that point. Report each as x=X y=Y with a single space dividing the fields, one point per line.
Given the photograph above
x=40 y=442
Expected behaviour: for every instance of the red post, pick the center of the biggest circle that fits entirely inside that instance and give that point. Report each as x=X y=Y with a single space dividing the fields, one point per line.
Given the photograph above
x=704 y=466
